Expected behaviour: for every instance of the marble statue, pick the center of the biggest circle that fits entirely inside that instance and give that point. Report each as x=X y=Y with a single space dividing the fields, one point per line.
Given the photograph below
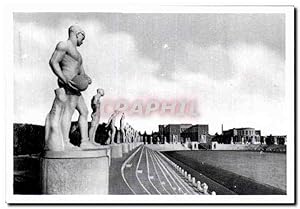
x=111 y=127
x=66 y=64
x=122 y=128
x=135 y=136
x=95 y=105
x=127 y=130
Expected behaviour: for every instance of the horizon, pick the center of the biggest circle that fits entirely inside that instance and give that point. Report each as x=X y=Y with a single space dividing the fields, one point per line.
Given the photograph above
x=142 y=131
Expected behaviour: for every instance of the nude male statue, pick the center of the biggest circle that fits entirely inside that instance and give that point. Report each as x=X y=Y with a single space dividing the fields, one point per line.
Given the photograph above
x=122 y=128
x=95 y=104
x=127 y=132
x=66 y=63
x=112 y=129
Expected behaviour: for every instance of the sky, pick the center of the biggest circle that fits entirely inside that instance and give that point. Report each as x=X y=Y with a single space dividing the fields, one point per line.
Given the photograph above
x=232 y=65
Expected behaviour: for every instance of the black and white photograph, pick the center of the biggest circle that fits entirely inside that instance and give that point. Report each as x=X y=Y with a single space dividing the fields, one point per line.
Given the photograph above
x=162 y=105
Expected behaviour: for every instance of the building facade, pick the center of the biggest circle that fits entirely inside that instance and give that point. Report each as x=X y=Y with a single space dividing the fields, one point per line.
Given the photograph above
x=195 y=133
x=240 y=136
x=172 y=132
x=280 y=140
x=181 y=133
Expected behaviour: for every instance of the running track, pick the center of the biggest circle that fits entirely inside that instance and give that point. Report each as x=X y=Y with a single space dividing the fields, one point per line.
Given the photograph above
x=148 y=172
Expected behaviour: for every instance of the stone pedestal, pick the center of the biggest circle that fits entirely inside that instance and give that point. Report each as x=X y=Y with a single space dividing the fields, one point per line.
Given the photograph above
x=108 y=152
x=75 y=172
x=116 y=150
x=130 y=146
x=125 y=148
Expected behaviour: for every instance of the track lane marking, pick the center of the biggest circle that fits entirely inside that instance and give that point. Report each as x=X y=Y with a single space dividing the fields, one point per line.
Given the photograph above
x=163 y=172
x=186 y=186
x=149 y=172
x=163 y=183
x=123 y=166
x=137 y=169
x=176 y=186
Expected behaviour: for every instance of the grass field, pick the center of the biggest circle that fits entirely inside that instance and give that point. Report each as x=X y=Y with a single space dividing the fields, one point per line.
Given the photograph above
x=266 y=169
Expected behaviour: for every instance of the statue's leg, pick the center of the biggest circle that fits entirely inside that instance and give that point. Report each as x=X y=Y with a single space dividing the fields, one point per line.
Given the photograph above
x=113 y=133
x=66 y=121
x=82 y=120
x=93 y=128
x=83 y=124
x=108 y=141
x=92 y=134
x=123 y=137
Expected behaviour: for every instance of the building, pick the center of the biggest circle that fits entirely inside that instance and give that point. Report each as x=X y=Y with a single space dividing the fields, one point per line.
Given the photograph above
x=196 y=133
x=172 y=132
x=281 y=140
x=161 y=132
x=240 y=136
x=182 y=133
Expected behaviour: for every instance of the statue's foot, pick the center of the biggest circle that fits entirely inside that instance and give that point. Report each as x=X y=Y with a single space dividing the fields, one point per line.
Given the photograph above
x=107 y=142
x=71 y=147
x=96 y=144
x=88 y=145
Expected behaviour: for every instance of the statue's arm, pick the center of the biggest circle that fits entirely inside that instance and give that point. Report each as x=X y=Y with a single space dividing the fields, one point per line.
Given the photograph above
x=56 y=58
x=109 y=120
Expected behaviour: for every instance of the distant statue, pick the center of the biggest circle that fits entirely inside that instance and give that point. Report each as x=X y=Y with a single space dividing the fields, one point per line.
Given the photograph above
x=111 y=128
x=95 y=105
x=136 y=136
x=122 y=128
x=128 y=134
x=66 y=63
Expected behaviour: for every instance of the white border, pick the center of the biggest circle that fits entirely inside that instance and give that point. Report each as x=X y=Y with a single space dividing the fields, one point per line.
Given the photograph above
x=8 y=61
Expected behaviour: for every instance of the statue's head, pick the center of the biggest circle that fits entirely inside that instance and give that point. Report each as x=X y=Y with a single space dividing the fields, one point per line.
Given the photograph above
x=100 y=91
x=78 y=33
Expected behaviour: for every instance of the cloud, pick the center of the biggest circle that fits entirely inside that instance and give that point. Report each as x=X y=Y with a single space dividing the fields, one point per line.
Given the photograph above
x=259 y=70
x=239 y=83
x=251 y=96
x=213 y=61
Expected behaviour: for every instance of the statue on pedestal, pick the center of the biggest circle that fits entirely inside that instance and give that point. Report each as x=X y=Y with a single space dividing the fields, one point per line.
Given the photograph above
x=66 y=63
x=122 y=128
x=112 y=129
x=127 y=132
x=135 y=136
x=95 y=105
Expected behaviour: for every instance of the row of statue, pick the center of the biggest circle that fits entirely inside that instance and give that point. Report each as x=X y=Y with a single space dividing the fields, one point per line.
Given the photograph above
x=66 y=64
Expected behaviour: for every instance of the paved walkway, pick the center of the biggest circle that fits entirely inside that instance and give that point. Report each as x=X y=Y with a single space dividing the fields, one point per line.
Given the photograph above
x=148 y=172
